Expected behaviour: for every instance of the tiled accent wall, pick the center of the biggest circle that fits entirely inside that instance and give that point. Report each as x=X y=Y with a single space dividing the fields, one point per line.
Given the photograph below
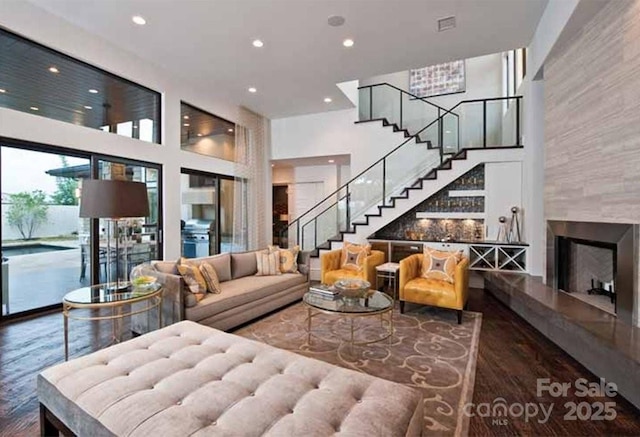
x=408 y=226
x=592 y=122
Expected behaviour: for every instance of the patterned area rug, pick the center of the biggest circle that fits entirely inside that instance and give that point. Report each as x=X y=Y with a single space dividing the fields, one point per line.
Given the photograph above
x=428 y=351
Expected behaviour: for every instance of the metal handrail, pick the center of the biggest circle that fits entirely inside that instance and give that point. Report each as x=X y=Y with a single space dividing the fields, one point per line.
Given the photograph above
x=412 y=137
x=424 y=99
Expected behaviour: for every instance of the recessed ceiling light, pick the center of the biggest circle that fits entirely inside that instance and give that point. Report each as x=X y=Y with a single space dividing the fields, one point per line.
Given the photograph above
x=186 y=117
x=199 y=135
x=347 y=43
x=335 y=20
x=139 y=20
x=257 y=43
x=34 y=108
x=229 y=130
x=88 y=107
x=2 y=91
x=54 y=70
x=328 y=100
x=252 y=90
x=93 y=91
x=186 y=125
x=331 y=161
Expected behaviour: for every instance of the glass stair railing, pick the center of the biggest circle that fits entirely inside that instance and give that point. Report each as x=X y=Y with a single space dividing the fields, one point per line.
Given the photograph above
x=470 y=124
x=394 y=106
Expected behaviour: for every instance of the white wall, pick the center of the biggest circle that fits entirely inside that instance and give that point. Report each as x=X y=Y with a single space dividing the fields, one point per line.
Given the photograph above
x=45 y=28
x=61 y=220
x=483 y=79
x=332 y=133
x=533 y=174
x=503 y=190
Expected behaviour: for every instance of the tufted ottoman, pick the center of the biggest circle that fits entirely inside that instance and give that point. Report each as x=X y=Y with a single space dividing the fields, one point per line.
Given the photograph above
x=191 y=380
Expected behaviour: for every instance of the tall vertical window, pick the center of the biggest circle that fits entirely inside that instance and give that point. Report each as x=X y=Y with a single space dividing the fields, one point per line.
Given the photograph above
x=41 y=81
x=208 y=134
x=514 y=67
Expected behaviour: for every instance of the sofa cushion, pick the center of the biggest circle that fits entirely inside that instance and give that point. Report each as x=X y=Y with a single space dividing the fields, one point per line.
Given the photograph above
x=268 y=263
x=430 y=292
x=335 y=275
x=210 y=277
x=193 y=279
x=353 y=256
x=242 y=290
x=243 y=264
x=222 y=264
x=437 y=264
x=170 y=267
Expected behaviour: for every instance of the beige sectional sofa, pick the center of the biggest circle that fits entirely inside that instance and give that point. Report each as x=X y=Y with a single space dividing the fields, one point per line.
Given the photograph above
x=244 y=295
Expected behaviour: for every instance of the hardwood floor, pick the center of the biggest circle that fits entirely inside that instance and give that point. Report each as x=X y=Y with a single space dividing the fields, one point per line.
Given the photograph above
x=512 y=355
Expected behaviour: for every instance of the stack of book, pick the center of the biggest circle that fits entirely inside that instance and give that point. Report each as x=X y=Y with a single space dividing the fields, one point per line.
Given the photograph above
x=324 y=291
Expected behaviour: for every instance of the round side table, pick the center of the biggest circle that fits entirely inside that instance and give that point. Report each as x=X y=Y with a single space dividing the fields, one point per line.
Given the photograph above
x=104 y=296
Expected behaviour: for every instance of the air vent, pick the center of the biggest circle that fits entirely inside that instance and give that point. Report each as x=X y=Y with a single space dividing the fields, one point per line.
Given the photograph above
x=335 y=20
x=446 y=23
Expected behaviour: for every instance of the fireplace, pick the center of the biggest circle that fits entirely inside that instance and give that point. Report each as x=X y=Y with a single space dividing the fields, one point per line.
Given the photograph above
x=587 y=269
x=596 y=262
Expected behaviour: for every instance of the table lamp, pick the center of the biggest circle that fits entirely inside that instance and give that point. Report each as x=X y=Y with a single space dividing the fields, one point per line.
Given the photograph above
x=113 y=200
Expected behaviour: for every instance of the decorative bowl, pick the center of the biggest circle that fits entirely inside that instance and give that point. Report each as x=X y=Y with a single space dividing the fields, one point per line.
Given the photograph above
x=353 y=288
x=143 y=282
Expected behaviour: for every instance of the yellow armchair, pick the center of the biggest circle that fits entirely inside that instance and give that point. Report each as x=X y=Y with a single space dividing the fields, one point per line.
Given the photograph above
x=331 y=272
x=416 y=289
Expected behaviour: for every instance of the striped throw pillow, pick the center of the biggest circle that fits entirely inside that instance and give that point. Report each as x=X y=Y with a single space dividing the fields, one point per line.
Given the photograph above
x=268 y=263
x=210 y=277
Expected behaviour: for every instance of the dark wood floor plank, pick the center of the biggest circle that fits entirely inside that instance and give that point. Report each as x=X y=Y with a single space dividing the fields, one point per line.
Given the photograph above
x=512 y=355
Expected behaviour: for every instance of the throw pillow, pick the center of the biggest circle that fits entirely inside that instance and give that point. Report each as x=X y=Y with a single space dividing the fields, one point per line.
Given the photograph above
x=210 y=278
x=353 y=256
x=288 y=258
x=268 y=263
x=439 y=265
x=193 y=278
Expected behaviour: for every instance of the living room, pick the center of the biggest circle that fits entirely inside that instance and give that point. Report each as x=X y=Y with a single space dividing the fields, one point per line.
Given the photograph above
x=481 y=237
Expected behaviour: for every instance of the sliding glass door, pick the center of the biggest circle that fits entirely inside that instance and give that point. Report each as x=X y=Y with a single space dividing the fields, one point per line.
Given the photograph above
x=47 y=249
x=213 y=214
x=139 y=237
x=42 y=235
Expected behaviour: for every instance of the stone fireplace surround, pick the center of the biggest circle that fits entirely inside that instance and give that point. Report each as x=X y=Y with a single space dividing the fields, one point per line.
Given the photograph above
x=624 y=237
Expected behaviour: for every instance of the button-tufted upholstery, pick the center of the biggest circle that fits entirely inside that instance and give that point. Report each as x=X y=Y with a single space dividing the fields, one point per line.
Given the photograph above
x=191 y=380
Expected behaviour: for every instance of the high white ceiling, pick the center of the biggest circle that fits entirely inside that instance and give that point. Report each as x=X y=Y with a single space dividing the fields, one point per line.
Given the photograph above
x=208 y=42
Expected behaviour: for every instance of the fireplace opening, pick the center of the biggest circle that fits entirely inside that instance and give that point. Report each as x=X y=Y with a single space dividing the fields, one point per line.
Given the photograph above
x=587 y=270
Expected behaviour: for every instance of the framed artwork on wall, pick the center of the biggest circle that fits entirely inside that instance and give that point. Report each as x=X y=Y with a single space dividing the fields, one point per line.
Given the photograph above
x=437 y=80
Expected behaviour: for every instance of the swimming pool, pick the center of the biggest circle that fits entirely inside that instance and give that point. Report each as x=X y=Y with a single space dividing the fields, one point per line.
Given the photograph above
x=29 y=249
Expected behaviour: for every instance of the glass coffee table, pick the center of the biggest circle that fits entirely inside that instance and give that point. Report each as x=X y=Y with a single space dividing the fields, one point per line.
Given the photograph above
x=377 y=304
x=104 y=296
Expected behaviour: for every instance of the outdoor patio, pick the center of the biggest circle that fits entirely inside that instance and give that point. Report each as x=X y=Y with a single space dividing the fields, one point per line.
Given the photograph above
x=42 y=279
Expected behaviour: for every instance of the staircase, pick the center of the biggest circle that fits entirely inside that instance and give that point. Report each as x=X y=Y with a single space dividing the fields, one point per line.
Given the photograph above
x=448 y=144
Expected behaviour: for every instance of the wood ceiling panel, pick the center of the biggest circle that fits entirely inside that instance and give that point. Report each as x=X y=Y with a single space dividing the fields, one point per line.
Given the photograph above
x=25 y=75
